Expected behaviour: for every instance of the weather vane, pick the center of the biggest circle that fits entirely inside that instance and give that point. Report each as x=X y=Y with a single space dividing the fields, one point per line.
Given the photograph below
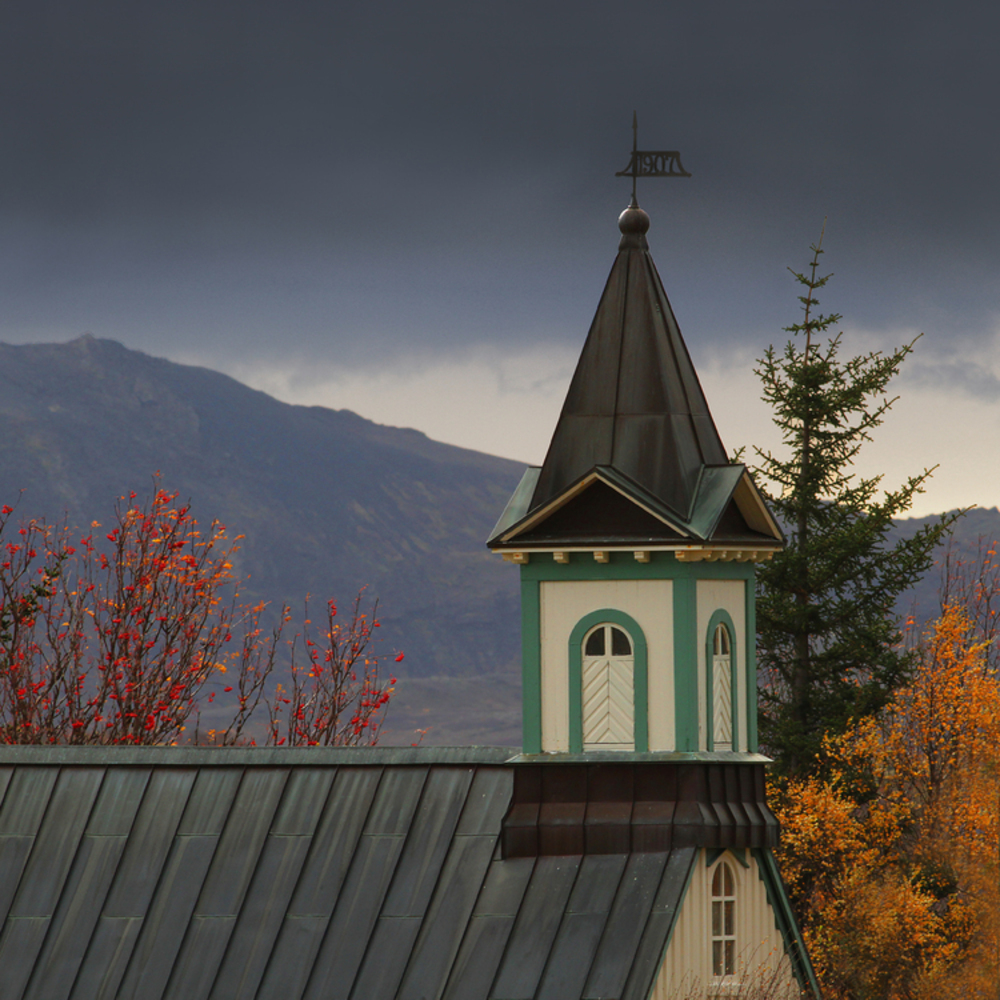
x=650 y=163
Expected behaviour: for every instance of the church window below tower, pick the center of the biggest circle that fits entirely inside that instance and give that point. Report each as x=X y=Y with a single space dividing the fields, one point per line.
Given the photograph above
x=608 y=684
x=722 y=688
x=723 y=924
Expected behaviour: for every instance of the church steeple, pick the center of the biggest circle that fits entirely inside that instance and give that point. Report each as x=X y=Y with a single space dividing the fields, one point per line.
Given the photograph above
x=635 y=404
x=636 y=460
x=636 y=540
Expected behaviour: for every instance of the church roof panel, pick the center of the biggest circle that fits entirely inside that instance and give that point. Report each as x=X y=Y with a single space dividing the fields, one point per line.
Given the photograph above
x=181 y=872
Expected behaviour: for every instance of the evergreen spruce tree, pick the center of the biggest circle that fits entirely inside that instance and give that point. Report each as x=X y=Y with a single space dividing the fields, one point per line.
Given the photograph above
x=829 y=643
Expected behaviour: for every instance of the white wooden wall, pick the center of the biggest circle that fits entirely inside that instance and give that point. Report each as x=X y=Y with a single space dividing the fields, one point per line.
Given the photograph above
x=729 y=595
x=761 y=960
x=563 y=604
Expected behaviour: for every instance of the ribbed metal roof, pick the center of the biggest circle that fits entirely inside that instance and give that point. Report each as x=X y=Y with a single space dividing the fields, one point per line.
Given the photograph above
x=635 y=403
x=192 y=874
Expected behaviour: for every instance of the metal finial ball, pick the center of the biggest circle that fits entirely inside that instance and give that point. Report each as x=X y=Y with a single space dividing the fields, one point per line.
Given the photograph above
x=633 y=220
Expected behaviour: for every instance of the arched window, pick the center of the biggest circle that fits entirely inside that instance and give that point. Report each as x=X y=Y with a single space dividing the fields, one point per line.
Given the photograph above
x=608 y=682
x=723 y=922
x=722 y=688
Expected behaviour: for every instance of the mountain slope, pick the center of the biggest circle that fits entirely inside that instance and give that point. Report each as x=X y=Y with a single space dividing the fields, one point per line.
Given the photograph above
x=327 y=500
x=973 y=533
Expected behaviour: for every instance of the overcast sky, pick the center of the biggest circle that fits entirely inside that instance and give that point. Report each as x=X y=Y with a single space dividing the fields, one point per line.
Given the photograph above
x=410 y=209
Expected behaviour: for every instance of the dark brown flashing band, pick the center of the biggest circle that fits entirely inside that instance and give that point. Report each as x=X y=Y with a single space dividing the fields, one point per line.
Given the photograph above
x=612 y=808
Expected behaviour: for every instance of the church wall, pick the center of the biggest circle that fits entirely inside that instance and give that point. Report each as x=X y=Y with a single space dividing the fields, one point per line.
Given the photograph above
x=761 y=958
x=562 y=605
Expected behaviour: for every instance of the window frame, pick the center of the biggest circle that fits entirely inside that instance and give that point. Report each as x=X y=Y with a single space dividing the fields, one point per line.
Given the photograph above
x=640 y=682
x=724 y=983
x=721 y=617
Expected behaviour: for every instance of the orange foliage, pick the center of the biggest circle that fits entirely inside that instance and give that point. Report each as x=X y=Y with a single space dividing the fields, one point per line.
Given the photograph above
x=891 y=861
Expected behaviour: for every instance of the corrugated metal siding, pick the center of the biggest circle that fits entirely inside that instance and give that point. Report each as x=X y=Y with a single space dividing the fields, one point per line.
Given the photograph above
x=761 y=956
x=302 y=882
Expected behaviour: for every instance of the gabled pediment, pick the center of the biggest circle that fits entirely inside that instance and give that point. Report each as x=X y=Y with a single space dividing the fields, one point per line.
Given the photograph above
x=754 y=510
x=728 y=507
x=600 y=508
x=605 y=507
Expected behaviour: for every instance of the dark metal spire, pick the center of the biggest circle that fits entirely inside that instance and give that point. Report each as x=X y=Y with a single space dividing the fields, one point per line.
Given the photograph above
x=635 y=458
x=635 y=403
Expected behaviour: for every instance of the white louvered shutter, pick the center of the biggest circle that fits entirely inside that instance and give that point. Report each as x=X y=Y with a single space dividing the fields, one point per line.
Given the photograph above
x=722 y=695
x=608 y=690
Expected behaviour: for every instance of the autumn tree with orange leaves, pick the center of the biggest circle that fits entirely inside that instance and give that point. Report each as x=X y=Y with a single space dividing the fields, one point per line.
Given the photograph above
x=121 y=635
x=891 y=859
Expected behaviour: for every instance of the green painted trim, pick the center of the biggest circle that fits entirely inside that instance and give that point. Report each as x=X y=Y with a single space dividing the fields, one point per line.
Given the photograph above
x=751 y=665
x=640 y=676
x=686 y=664
x=531 y=665
x=622 y=566
x=738 y=853
x=721 y=617
x=621 y=757
x=784 y=920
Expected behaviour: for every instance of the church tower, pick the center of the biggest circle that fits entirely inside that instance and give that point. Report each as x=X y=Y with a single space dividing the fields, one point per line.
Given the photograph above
x=636 y=541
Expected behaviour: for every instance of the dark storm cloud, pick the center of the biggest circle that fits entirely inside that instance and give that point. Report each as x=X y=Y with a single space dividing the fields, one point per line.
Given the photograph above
x=335 y=180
